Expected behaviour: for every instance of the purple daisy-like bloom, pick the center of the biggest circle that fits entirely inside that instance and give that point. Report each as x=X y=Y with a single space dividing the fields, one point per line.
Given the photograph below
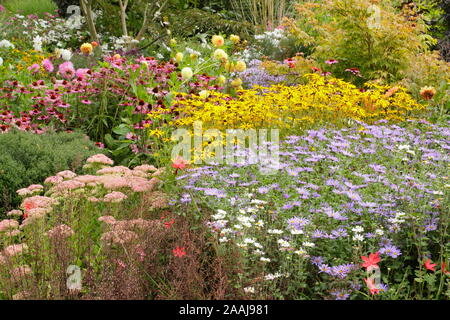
x=263 y=190
x=391 y=251
x=324 y=268
x=186 y=197
x=340 y=271
x=340 y=294
x=317 y=260
x=383 y=287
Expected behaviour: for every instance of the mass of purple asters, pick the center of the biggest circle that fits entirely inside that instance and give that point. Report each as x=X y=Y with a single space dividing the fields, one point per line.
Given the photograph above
x=330 y=181
x=256 y=75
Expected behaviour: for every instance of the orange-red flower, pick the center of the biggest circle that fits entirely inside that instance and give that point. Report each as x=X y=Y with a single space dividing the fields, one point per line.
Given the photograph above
x=444 y=268
x=169 y=223
x=429 y=266
x=179 y=164
x=427 y=92
x=371 y=285
x=371 y=261
x=179 y=252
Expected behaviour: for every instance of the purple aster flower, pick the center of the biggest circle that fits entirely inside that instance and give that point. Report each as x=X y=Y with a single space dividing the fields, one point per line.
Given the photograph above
x=340 y=294
x=263 y=190
x=317 y=260
x=391 y=251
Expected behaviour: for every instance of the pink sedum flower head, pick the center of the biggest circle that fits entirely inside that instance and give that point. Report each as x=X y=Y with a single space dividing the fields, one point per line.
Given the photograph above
x=15 y=249
x=101 y=159
x=115 y=197
x=66 y=174
x=8 y=224
x=60 y=231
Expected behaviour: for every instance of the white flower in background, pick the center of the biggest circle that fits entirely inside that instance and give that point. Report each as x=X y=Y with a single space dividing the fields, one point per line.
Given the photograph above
x=358 y=237
x=295 y=231
x=223 y=239
x=358 y=229
x=283 y=243
x=308 y=244
x=1 y=61
x=237 y=226
x=159 y=56
x=65 y=54
x=249 y=241
x=242 y=245
x=220 y=215
x=249 y=290
x=404 y=147
x=272 y=276
x=260 y=223
x=226 y=230
x=265 y=259
x=37 y=43
x=258 y=245
x=275 y=231
x=6 y=44
x=379 y=232
x=300 y=252
x=192 y=51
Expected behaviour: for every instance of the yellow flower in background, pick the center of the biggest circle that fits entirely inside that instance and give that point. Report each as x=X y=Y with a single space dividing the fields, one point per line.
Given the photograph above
x=221 y=79
x=235 y=38
x=220 y=55
x=240 y=66
x=179 y=57
x=86 y=48
x=295 y=108
x=236 y=82
x=230 y=66
x=173 y=42
x=217 y=41
x=187 y=73
x=204 y=94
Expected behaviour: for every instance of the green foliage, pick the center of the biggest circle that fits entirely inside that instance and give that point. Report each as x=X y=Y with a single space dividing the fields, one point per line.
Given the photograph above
x=187 y=23
x=373 y=38
x=429 y=69
x=27 y=158
x=26 y=7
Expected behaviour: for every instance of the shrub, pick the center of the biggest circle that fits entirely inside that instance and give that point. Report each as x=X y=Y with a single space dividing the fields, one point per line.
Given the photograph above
x=375 y=39
x=429 y=70
x=27 y=158
x=187 y=23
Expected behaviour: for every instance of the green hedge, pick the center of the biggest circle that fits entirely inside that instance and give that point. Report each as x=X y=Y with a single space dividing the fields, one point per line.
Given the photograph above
x=27 y=158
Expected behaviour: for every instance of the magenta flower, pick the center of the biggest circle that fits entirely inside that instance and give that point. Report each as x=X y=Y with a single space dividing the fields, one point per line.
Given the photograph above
x=66 y=70
x=34 y=68
x=331 y=61
x=48 y=66
x=81 y=73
